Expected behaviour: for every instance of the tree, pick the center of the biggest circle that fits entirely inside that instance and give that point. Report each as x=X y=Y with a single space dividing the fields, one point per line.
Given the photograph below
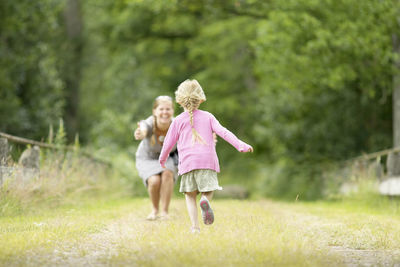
x=396 y=84
x=327 y=72
x=31 y=87
x=73 y=64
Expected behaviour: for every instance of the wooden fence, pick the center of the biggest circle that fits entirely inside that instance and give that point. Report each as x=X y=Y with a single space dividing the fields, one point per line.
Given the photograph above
x=28 y=164
x=384 y=166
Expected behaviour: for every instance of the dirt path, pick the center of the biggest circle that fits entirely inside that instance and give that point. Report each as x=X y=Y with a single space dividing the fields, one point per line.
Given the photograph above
x=97 y=249
x=338 y=236
x=357 y=257
x=133 y=241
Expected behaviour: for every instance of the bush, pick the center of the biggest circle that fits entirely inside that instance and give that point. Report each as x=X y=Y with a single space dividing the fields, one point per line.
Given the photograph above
x=64 y=178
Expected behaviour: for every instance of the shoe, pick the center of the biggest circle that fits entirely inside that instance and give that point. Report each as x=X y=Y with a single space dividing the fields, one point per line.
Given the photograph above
x=206 y=211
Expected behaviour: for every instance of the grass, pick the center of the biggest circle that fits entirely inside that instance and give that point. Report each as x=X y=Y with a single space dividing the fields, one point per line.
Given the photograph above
x=359 y=225
x=245 y=233
x=78 y=213
x=43 y=228
x=63 y=179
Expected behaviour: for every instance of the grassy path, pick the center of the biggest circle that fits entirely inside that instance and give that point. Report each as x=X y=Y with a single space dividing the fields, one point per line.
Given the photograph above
x=245 y=233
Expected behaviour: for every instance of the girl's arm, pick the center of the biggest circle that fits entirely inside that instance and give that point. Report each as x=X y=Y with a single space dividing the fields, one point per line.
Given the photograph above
x=169 y=142
x=229 y=136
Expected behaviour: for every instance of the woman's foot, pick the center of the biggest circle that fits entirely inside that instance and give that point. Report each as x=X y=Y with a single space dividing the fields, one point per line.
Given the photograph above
x=164 y=216
x=152 y=216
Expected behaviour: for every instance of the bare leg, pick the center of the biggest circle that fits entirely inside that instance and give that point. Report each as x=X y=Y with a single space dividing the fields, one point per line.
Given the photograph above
x=208 y=195
x=167 y=185
x=192 y=208
x=153 y=187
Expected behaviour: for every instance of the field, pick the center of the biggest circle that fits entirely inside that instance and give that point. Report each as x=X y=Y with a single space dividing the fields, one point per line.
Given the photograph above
x=245 y=233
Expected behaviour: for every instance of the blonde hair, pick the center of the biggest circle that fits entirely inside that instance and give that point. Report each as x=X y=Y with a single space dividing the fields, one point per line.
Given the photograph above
x=190 y=95
x=156 y=103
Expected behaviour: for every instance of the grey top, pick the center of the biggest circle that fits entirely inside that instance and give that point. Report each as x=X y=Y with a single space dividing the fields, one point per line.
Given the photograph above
x=147 y=155
x=145 y=149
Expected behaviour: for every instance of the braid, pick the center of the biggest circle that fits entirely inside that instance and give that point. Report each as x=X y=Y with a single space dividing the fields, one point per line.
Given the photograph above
x=153 y=136
x=189 y=95
x=190 y=103
x=196 y=137
x=191 y=117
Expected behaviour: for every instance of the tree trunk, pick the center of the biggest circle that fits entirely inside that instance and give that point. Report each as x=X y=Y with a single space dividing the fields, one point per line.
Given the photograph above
x=73 y=22
x=396 y=93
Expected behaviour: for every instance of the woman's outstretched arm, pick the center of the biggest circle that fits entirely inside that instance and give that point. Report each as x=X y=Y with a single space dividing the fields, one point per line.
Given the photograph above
x=140 y=132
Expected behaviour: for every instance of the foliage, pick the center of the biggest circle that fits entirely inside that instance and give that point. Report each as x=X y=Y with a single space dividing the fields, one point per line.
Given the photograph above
x=31 y=88
x=60 y=138
x=326 y=69
x=305 y=82
x=64 y=178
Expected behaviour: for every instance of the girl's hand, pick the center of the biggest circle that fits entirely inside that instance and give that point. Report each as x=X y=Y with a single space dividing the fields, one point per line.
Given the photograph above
x=139 y=134
x=244 y=148
x=250 y=149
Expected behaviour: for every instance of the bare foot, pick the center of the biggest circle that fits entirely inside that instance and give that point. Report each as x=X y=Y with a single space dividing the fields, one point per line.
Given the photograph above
x=152 y=216
x=195 y=230
x=164 y=216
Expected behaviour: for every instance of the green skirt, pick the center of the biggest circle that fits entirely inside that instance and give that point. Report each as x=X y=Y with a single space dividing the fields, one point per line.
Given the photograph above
x=202 y=180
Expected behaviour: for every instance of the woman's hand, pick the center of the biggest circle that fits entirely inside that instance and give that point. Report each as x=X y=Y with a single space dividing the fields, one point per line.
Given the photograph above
x=139 y=133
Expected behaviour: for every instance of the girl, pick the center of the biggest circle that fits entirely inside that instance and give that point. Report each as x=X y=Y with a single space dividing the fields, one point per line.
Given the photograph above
x=198 y=162
x=152 y=131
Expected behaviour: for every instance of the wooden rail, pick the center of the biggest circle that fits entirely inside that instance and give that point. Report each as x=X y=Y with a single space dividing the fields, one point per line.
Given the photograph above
x=26 y=141
x=373 y=155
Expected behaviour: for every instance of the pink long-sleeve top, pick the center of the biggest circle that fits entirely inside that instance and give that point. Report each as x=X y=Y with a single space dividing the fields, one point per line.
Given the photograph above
x=196 y=155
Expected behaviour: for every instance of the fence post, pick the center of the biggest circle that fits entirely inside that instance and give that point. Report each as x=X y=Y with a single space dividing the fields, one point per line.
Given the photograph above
x=393 y=164
x=29 y=161
x=3 y=156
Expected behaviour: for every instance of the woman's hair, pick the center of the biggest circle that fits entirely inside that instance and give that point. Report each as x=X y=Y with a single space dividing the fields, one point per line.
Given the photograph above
x=190 y=95
x=156 y=103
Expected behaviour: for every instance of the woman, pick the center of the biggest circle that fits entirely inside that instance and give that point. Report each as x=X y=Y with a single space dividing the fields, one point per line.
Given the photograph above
x=159 y=181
